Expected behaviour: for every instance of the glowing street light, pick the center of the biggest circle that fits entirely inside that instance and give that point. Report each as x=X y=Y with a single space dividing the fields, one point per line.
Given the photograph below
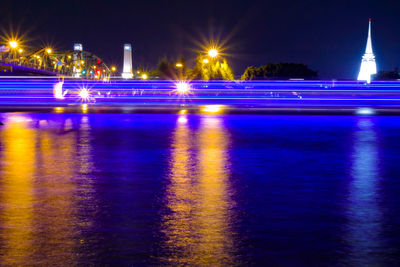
x=113 y=69
x=179 y=65
x=182 y=87
x=49 y=50
x=205 y=61
x=20 y=50
x=84 y=94
x=144 y=76
x=13 y=44
x=213 y=53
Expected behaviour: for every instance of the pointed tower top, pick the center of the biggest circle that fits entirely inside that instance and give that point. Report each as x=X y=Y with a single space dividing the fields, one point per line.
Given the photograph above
x=368 y=49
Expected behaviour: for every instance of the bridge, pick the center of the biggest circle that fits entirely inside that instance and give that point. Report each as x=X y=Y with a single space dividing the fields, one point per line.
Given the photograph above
x=15 y=61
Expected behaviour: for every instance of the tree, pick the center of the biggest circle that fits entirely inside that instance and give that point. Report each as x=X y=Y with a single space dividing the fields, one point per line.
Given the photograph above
x=211 y=69
x=387 y=75
x=165 y=69
x=279 y=71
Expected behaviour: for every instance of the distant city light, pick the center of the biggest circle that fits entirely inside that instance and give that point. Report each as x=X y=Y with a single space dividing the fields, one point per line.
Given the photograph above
x=13 y=44
x=205 y=61
x=84 y=108
x=84 y=94
x=113 y=69
x=182 y=87
x=20 y=50
x=78 y=47
x=49 y=50
x=365 y=111
x=179 y=65
x=59 y=109
x=183 y=111
x=212 y=108
x=144 y=76
x=213 y=52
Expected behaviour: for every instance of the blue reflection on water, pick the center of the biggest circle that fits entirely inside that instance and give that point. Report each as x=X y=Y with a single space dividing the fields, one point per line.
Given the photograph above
x=198 y=189
x=364 y=213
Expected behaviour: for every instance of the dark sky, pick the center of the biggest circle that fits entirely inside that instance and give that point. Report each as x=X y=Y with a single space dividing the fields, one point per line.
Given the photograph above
x=329 y=36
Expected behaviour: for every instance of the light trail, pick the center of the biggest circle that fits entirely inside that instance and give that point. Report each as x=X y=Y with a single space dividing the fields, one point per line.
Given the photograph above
x=235 y=94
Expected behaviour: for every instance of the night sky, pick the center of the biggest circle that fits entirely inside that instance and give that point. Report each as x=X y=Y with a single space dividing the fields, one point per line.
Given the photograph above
x=329 y=36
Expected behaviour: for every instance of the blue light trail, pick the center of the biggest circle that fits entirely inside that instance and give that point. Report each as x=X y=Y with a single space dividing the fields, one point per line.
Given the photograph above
x=329 y=95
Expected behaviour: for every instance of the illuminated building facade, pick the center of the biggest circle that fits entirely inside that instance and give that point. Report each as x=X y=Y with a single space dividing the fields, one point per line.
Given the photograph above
x=368 y=64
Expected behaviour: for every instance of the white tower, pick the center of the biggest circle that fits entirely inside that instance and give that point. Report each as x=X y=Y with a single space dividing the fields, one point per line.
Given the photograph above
x=368 y=64
x=76 y=58
x=127 y=70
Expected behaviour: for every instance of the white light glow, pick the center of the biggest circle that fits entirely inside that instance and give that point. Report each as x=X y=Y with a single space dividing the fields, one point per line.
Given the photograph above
x=182 y=119
x=365 y=111
x=212 y=108
x=368 y=64
x=213 y=52
x=58 y=90
x=182 y=87
x=84 y=94
x=13 y=44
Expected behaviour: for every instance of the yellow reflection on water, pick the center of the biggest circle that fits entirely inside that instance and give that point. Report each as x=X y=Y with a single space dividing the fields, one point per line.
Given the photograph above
x=56 y=203
x=198 y=225
x=40 y=199
x=17 y=195
x=58 y=109
x=214 y=202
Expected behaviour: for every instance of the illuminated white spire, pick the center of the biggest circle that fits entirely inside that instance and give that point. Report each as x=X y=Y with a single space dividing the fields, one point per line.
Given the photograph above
x=368 y=64
x=368 y=49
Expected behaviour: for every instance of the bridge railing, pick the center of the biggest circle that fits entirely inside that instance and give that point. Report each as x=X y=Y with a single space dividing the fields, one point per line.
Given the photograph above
x=32 y=66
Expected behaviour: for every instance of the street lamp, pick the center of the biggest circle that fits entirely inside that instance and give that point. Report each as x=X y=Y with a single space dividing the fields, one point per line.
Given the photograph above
x=13 y=44
x=144 y=76
x=49 y=50
x=179 y=65
x=205 y=61
x=213 y=53
x=113 y=69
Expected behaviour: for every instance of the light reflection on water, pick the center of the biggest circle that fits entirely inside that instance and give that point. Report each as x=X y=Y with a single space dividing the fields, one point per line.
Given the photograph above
x=135 y=189
x=17 y=191
x=364 y=227
x=39 y=191
x=198 y=196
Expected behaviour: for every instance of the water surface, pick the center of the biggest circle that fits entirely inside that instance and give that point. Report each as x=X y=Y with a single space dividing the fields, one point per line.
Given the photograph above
x=129 y=189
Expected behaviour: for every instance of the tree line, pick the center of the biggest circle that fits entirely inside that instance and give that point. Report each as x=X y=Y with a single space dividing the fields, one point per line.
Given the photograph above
x=206 y=68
